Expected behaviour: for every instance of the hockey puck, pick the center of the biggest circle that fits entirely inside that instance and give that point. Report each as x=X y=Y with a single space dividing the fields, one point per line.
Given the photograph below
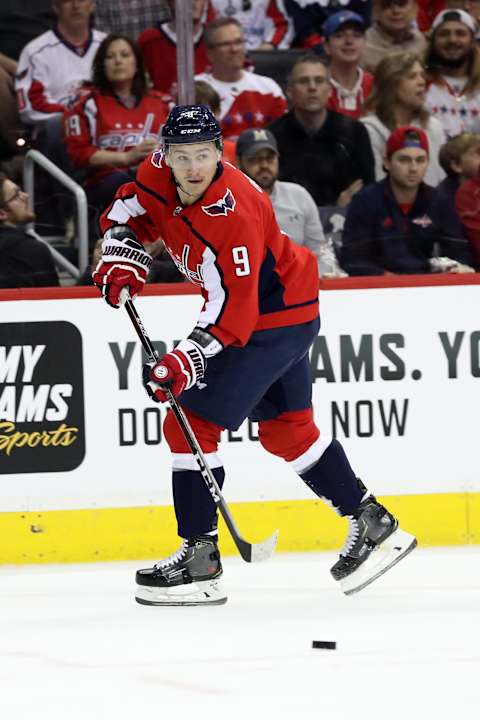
x=324 y=645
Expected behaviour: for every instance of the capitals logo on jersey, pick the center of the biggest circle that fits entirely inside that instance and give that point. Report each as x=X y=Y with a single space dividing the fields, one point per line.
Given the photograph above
x=221 y=207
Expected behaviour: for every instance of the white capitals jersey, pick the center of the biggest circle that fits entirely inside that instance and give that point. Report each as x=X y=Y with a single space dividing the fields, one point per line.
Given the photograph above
x=456 y=110
x=263 y=21
x=49 y=73
x=253 y=102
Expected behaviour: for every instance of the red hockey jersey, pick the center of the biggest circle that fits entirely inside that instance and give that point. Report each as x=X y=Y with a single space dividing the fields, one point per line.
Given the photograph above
x=102 y=122
x=351 y=102
x=251 y=275
x=252 y=102
x=159 y=50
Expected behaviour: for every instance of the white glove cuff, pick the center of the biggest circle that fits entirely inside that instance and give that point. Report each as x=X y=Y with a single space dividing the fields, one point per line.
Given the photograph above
x=128 y=250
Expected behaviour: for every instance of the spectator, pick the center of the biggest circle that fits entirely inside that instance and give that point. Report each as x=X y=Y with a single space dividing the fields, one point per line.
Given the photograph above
x=328 y=153
x=294 y=207
x=127 y=17
x=205 y=94
x=344 y=44
x=116 y=120
x=393 y=225
x=393 y=31
x=266 y=23
x=247 y=99
x=460 y=159
x=9 y=121
x=52 y=66
x=26 y=262
x=309 y=18
x=159 y=47
x=397 y=99
x=467 y=203
x=453 y=66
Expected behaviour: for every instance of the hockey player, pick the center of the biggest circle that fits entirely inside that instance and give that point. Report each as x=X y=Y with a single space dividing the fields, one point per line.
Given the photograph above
x=247 y=355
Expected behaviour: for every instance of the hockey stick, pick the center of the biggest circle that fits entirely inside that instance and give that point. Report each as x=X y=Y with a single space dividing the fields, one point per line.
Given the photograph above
x=249 y=552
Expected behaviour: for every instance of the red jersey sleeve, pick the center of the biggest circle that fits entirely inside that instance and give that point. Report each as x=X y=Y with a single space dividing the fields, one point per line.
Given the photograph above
x=231 y=275
x=78 y=137
x=126 y=209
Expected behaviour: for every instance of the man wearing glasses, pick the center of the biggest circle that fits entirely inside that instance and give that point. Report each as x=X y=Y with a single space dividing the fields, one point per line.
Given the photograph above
x=247 y=100
x=26 y=262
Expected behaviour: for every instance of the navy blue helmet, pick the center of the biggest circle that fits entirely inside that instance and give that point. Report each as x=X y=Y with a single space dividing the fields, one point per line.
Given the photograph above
x=191 y=124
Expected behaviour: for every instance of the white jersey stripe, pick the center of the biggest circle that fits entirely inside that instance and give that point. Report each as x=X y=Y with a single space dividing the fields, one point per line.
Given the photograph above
x=123 y=210
x=213 y=286
x=186 y=461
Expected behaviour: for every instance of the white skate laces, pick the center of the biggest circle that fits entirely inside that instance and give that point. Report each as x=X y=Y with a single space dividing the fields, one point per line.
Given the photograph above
x=353 y=535
x=172 y=559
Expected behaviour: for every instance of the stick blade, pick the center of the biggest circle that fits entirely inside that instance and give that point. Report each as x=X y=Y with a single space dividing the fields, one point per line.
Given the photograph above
x=257 y=552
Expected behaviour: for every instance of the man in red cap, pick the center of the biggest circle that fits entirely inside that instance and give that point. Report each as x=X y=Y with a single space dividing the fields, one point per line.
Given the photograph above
x=393 y=225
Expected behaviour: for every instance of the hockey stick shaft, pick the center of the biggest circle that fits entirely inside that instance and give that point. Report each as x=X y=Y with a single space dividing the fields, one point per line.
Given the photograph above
x=249 y=552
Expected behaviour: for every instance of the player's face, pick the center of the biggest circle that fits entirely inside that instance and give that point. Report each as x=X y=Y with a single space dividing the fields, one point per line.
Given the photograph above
x=261 y=167
x=309 y=87
x=346 y=45
x=120 y=62
x=194 y=166
x=228 y=48
x=412 y=87
x=407 y=167
x=453 y=42
x=74 y=12
x=15 y=210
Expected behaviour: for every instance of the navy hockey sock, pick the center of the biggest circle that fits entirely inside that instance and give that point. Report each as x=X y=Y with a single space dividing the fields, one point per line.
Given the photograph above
x=195 y=510
x=333 y=479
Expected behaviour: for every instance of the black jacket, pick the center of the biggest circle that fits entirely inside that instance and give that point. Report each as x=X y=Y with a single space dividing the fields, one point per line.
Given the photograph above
x=329 y=161
x=379 y=237
x=24 y=261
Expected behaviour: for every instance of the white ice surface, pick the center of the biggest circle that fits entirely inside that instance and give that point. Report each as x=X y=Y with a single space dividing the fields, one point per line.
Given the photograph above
x=75 y=645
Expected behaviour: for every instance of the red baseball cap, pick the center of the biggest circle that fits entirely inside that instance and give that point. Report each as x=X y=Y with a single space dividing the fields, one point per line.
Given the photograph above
x=405 y=137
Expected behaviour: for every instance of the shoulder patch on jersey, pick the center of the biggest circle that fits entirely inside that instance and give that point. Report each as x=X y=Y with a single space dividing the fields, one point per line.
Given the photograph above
x=156 y=158
x=221 y=207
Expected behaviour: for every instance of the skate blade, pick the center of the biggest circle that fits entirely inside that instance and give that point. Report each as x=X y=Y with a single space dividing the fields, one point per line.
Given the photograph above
x=208 y=592
x=388 y=554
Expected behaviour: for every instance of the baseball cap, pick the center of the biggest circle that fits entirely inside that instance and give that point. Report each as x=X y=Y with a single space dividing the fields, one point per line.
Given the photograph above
x=405 y=137
x=255 y=139
x=338 y=19
x=456 y=16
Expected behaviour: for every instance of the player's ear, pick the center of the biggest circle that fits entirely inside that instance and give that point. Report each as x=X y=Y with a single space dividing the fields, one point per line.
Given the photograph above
x=167 y=160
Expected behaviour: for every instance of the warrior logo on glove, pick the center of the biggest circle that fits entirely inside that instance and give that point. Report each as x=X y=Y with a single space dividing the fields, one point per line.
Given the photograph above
x=123 y=268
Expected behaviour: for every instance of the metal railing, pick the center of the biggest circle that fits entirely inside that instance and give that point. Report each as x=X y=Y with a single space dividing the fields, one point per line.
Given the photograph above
x=34 y=156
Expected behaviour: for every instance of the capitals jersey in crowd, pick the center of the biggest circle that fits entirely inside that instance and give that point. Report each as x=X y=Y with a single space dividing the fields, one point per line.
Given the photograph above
x=49 y=72
x=252 y=276
x=102 y=122
x=351 y=102
x=253 y=101
x=455 y=109
x=159 y=50
x=263 y=21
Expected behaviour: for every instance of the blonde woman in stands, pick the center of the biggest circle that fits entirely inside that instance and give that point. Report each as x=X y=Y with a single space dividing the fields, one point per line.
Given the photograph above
x=397 y=99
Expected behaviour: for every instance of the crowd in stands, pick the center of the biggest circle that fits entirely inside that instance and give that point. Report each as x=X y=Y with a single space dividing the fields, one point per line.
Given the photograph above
x=368 y=145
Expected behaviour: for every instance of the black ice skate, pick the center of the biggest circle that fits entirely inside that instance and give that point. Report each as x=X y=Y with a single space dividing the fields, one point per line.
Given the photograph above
x=191 y=576
x=374 y=544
